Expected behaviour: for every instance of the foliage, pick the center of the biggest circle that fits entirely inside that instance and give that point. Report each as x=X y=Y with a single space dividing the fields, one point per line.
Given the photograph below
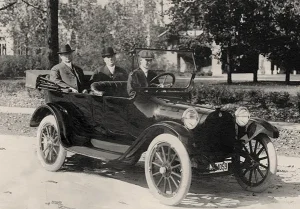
x=273 y=106
x=93 y=27
x=15 y=66
x=268 y=27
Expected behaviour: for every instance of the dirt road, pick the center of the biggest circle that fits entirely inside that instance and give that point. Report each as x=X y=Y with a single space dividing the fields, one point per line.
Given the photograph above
x=87 y=184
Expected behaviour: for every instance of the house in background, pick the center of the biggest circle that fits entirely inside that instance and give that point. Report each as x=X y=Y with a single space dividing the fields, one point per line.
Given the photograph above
x=6 y=41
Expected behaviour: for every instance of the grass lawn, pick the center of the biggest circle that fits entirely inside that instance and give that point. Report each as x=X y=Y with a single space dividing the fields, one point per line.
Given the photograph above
x=14 y=93
x=266 y=83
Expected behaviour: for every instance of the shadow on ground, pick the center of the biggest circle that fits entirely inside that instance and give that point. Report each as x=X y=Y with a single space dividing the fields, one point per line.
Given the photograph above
x=205 y=192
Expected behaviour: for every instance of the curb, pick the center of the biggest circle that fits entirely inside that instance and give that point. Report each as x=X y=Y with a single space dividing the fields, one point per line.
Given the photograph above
x=24 y=110
x=18 y=110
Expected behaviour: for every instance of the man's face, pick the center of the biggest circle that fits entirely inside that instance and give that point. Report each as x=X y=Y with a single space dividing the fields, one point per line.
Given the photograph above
x=110 y=60
x=66 y=57
x=146 y=63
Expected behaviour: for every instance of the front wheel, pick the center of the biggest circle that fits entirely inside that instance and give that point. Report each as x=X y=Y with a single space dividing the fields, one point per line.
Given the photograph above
x=168 y=169
x=256 y=164
x=50 y=152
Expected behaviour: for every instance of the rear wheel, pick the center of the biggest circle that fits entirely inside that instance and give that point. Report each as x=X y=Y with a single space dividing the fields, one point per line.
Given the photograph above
x=168 y=169
x=50 y=152
x=256 y=164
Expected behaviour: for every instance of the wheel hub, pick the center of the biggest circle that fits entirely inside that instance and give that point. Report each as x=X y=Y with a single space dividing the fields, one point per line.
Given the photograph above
x=163 y=170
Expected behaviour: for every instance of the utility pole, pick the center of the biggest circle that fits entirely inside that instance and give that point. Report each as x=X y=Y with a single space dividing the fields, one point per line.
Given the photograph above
x=52 y=32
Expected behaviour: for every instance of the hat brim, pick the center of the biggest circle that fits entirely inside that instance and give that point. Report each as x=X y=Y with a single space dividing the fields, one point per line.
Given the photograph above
x=105 y=55
x=66 y=52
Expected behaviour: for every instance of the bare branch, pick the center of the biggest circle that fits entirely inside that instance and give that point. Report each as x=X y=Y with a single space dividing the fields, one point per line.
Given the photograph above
x=9 y=5
x=27 y=3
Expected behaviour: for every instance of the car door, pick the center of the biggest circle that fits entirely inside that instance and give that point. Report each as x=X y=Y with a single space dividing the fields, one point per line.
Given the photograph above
x=111 y=115
x=79 y=110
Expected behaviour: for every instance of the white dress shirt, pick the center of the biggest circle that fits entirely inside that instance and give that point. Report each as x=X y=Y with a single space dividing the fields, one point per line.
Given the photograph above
x=69 y=64
x=111 y=69
x=145 y=71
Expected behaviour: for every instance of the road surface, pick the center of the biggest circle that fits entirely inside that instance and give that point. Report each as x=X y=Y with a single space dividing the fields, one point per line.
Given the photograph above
x=84 y=183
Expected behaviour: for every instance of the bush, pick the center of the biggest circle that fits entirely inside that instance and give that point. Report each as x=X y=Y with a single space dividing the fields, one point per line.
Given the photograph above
x=12 y=66
x=280 y=99
x=273 y=106
x=257 y=97
x=219 y=95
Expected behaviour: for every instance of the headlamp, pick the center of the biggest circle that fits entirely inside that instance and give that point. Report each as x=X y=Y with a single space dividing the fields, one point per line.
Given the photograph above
x=190 y=118
x=242 y=116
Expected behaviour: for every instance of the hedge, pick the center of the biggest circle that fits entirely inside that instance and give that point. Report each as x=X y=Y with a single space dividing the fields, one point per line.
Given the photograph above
x=272 y=106
x=12 y=66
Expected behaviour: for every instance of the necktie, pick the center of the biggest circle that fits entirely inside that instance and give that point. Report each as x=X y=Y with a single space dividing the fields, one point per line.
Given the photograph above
x=75 y=73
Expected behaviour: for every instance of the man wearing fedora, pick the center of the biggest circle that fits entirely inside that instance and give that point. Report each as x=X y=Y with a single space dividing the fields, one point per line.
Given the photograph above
x=142 y=76
x=109 y=72
x=66 y=74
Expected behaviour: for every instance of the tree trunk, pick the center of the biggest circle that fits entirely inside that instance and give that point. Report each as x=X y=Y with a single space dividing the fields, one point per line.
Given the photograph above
x=272 y=67
x=52 y=32
x=255 y=58
x=255 y=76
x=229 y=66
x=287 y=75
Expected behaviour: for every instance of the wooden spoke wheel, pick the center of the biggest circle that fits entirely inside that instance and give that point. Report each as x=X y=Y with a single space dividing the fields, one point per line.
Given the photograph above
x=168 y=169
x=49 y=149
x=256 y=164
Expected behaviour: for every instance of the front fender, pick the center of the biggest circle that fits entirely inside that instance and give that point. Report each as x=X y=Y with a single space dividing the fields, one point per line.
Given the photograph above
x=145 y=138
x=258 y=126
x=61 y=116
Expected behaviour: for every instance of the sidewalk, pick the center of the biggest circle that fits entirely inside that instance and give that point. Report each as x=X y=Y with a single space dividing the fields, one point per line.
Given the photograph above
x=22 y=110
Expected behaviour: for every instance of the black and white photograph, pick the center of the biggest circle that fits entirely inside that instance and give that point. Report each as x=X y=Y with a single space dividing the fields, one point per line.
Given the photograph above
x=149 y=104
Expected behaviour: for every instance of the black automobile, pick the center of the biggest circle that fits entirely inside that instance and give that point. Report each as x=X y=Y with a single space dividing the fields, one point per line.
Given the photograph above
x=178 y=136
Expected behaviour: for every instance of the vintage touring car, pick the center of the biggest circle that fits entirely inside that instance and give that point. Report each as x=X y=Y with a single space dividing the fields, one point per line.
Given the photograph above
x=178 y=136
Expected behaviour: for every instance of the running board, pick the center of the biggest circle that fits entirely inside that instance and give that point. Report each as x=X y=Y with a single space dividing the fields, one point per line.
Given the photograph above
x=110 y=146
x=94 y=153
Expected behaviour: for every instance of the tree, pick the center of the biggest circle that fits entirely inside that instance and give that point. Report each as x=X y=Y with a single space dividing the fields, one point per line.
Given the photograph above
x=268 y=27
x=52 y=32
x=29 y=22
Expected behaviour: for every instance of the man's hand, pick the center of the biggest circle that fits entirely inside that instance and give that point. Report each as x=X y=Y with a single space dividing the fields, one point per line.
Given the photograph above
x=85 y=91
x=157 y=85
x=73 y=90
x=160 y=85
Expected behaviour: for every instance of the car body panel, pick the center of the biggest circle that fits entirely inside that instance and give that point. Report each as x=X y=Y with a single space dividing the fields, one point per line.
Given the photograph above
x=258 y=126
x=128 y=124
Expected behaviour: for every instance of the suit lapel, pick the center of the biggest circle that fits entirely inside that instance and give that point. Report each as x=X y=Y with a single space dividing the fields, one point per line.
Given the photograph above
x=107 y=71
x=76 y=73
x=66 y=68
x=143 y=78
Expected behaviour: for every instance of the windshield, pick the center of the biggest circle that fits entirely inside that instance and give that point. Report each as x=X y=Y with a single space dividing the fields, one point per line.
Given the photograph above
x=179 y=63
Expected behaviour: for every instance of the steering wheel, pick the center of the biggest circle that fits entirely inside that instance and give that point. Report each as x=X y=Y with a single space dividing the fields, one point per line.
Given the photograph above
x=163 y=83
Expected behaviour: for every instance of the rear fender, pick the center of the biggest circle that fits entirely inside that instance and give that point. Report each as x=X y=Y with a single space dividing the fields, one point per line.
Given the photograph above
x=61 y=116
x=145 y=138
x=258 y=126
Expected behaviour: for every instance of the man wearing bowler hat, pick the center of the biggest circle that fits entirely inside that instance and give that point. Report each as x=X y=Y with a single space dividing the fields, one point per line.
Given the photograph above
x=66 y=74
x=109 y=72
x=142 y=76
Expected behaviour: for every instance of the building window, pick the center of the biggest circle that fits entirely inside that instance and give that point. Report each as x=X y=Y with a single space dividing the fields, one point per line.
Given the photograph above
x=2 y=46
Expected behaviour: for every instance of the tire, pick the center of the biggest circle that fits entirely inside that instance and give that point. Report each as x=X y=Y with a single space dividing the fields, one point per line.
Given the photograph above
x=50 y=152
x=254 y=172
x=167 y=161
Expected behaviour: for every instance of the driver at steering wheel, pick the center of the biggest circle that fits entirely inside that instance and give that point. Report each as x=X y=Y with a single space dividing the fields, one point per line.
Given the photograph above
x=142 y=76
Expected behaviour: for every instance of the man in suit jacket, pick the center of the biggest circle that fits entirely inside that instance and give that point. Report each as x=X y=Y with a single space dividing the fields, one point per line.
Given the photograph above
x=142 y=76
x=66 y=74
x=109 y=72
